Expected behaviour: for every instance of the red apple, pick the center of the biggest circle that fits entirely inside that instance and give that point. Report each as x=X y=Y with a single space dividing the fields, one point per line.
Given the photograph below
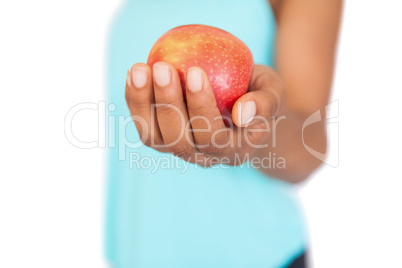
x=226 y=59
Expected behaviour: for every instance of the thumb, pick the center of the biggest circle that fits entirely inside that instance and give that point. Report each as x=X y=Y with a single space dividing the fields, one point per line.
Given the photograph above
x=258 y=104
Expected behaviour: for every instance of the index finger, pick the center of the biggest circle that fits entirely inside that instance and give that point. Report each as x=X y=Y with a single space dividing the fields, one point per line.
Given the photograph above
x=208 y=127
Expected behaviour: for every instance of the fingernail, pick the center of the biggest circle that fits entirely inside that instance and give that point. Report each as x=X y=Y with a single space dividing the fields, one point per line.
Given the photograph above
x=247 y=112
x=162 y=74
x=128 y=81
x=194 y=79
x=140 y=76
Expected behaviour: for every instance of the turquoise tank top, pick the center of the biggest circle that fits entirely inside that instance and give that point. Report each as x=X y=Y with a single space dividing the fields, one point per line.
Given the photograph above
x=163 y=212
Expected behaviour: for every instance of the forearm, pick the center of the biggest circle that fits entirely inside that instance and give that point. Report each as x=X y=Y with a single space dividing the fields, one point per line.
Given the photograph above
x=305 y=56
x=287 y=147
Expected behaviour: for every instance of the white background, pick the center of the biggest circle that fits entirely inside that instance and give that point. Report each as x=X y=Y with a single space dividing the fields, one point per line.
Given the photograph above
x=52 y=56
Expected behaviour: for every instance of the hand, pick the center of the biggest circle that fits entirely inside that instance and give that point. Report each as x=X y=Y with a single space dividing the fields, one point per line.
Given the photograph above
x=192 y=128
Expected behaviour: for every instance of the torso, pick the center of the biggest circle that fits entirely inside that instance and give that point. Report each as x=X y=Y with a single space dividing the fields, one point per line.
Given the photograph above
x=175 y=217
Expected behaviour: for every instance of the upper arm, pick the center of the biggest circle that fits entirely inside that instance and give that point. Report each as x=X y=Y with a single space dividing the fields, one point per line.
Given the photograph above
x=305 y=50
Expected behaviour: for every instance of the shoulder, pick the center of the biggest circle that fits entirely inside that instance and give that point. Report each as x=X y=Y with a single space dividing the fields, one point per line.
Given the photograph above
x=275 y=5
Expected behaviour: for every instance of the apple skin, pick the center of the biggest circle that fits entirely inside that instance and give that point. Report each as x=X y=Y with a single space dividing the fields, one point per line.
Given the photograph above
x=227 y=61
